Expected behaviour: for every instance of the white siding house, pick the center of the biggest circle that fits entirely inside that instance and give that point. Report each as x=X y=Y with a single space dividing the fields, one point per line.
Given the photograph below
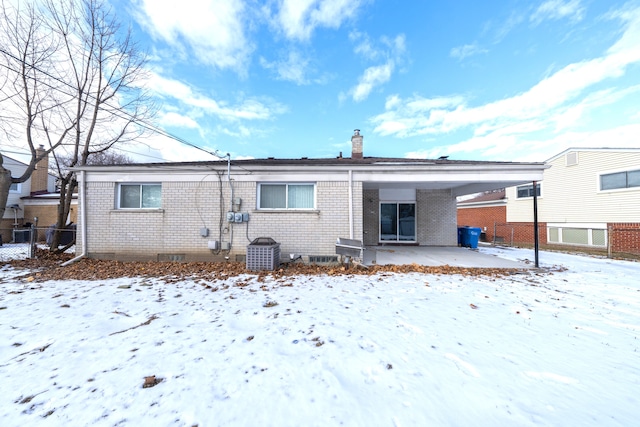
x=585 y=193
x=15 y=208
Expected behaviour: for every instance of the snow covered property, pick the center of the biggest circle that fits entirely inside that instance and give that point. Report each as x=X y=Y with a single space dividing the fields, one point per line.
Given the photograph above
x=557 y=346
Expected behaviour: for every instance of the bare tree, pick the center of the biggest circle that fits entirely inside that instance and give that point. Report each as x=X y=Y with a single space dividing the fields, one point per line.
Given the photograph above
x=97 y=159
x=28 y=93
x=86 y=90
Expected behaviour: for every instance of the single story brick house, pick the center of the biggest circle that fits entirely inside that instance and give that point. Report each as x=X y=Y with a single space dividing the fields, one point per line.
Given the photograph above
x=212 y=210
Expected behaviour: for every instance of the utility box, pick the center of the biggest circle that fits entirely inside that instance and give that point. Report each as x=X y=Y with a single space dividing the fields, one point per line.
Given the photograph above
x=263 y=253
x=21 y=235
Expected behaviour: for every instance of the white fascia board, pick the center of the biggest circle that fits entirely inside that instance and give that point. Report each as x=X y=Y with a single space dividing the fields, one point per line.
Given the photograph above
x=447 y=176
x=46 y=201
x=409 y=173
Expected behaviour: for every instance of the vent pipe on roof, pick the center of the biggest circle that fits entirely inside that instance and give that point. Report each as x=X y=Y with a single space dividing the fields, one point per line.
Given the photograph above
x=356 y=145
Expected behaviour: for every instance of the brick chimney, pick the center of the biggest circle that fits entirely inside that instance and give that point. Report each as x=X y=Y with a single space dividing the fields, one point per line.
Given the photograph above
x=40 y=175
x=356 y=145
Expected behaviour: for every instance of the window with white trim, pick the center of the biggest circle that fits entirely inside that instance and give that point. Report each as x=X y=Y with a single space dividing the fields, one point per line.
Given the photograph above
x=286 y=196
x=139 y=196
x=524 y=191
x=15 y=187
x=625 y=179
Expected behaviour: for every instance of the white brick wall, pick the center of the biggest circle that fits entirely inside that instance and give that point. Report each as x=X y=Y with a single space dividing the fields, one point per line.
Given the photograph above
x=189 y=206
x=437 y=218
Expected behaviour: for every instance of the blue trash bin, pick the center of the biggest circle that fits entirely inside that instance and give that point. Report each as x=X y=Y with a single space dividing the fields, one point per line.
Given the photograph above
x=473 y=235
x=460 y=232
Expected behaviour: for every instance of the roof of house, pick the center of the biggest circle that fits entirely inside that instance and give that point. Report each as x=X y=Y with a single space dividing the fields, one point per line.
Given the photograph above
x=458 y=176
x=335 y=161
x=485 y=197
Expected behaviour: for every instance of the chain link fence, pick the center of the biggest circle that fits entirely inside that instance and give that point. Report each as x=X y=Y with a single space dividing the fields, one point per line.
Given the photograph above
x=21 y=243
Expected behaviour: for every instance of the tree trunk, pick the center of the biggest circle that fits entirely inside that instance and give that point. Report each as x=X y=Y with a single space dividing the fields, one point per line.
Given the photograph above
x=5 y=185
x=67 y=186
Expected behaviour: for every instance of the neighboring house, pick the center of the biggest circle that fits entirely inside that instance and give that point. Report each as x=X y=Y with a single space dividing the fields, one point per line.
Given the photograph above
x=211 y=209
x=589 y=197
x=484 y=211
x=33 y=198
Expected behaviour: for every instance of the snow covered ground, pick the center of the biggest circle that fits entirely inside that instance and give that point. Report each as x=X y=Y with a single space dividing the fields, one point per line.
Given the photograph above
x=558 y=347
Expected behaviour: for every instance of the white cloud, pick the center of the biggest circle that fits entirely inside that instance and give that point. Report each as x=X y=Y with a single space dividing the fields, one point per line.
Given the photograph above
x=391 y=49
x=247 y=109
x=372 y=77
x=364 y=46
x=298 y=19
x=558 y=9
x=293 y=68
x=554 y=96
x=502 y=30
x=242 y=132
x=558 y=112
x=462 y=52
x=538 y=149
x=212 y=30
x=173 y=119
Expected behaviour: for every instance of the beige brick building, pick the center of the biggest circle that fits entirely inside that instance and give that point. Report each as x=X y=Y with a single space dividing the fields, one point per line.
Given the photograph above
x=34 y=198
x=213 y=210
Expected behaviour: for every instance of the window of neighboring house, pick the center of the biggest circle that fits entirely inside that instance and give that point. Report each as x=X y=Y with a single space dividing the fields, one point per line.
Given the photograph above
x=139 y=196
x=527 y=191
x=626 y=179
x=286 y=196
x=15 y=188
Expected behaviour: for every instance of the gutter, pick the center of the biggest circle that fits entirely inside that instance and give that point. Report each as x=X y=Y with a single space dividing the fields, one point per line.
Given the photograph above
x=83 y=216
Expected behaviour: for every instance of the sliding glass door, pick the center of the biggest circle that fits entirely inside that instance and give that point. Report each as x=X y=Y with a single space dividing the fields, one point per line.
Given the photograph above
x=397 y=222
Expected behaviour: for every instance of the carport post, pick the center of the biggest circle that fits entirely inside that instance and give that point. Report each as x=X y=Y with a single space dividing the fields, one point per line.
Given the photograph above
x=535 y=223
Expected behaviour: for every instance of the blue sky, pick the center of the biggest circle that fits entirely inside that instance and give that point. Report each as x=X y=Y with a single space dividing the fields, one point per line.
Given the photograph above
x=474 y=80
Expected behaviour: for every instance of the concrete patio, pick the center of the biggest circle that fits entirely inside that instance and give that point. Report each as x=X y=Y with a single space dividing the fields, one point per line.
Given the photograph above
x=435 y=256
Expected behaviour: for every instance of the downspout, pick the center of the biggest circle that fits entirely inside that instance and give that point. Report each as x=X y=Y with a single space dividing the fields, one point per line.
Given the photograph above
x=231 y=201
x=83 y=216
x=350 y=204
